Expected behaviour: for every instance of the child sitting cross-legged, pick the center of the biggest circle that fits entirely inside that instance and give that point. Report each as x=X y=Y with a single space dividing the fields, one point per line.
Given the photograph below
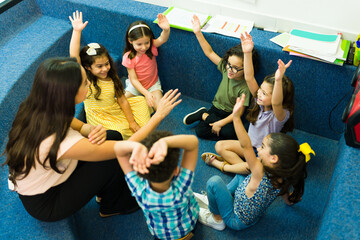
x=161 y=188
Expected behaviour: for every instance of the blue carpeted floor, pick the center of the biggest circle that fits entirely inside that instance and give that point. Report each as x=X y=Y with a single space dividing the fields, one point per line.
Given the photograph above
x=37 y=29
x=300 y=221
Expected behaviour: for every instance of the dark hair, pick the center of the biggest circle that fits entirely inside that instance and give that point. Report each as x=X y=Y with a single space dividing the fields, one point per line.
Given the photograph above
x=87 y=61
x=161 y=172
x=48 y=110
x=134 y=35
x=288 y=102
x=237 y=51
x=289 y=172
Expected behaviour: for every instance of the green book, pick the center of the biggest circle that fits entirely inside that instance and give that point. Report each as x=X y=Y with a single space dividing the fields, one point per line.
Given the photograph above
x=181 y=18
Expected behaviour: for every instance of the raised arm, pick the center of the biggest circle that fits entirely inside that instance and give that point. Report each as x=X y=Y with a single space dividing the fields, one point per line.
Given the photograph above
x=277 y=94
x=165 y=26
x=123 y=151
x=245 y=142
x=166 y=105
x=247 y=45
x=78 y=26
x=216 y=126
x=205 y=46
x=190 y=144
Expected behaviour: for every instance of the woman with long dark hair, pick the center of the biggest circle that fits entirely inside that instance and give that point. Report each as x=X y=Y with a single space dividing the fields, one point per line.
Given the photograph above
x=52 y=166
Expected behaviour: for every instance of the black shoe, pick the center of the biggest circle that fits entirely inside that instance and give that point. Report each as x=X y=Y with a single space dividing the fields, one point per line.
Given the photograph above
x=122 y=212
x=194 y=116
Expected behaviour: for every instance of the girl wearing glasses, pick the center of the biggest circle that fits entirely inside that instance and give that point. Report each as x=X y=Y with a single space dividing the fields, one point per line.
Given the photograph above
x=271 y=112
x=216 y=123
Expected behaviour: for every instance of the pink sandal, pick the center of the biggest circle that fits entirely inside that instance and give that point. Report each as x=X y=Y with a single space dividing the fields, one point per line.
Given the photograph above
x=208 y=157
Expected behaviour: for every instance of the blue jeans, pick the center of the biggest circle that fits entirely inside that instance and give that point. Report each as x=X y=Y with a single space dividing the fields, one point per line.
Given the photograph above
x=221 y=200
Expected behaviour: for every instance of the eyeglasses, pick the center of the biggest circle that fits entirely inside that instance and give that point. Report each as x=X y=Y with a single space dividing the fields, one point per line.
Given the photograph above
x=233 y=69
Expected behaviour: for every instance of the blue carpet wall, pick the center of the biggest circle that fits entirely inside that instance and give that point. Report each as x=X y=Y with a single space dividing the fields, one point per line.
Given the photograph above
x=34 y=30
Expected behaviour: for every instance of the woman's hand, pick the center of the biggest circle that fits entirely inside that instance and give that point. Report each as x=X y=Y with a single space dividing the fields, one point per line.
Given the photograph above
x=168 y=102
x=77 y=21
x=97 y=134
x=247 y=43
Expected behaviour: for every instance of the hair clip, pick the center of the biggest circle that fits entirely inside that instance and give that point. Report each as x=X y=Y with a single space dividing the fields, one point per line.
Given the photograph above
x=306 y=150
x=92 y=49
x=137 y=26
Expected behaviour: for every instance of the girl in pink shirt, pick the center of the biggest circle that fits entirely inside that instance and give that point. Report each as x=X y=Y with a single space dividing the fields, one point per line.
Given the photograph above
x=139 y=59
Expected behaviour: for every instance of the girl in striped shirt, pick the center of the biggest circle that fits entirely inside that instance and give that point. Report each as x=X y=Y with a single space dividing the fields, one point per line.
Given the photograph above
x=106 y=103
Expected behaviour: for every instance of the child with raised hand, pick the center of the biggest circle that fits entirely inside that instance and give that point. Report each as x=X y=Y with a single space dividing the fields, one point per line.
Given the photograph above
x=216 y=123
x=140 y=60
x=161 y=188
x=60 y=169
x=279 y=168
x=271 y=112
x=106 y=103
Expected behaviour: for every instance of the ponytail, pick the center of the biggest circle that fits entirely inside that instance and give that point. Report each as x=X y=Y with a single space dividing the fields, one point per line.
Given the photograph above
x=289 y=172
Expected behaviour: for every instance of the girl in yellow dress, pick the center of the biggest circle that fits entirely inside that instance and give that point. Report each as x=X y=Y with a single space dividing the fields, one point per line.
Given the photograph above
x=106 y=103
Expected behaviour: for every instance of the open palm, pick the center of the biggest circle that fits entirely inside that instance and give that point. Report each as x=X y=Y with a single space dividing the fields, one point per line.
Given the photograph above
x=247 y=43
x=77 y=21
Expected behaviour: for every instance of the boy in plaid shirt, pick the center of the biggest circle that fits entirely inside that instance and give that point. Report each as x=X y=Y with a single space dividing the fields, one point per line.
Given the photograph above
x=161 y=188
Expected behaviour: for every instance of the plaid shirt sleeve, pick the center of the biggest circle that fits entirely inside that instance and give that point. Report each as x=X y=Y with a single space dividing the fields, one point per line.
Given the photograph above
x=136 y=184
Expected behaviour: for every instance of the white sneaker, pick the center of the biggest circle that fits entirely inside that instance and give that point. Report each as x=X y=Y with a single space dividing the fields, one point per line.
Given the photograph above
x=206 y=218
x=202 y=200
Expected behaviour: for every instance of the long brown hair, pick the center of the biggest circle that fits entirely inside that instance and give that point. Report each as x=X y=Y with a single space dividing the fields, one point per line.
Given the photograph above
x=288 y=102
x=87 y=61
x=48 y=110
x=134 y=35
x=289 y=172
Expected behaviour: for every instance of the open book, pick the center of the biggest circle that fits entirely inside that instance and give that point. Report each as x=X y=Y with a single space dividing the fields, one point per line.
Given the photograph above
x=233 y=27
x=181 y=18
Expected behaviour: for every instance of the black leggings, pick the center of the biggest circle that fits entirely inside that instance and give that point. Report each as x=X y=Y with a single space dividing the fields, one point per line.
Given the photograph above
x=203 y=129
x=104 y=179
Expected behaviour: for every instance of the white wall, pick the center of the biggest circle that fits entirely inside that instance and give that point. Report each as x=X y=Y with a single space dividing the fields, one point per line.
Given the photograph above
x=324 y=16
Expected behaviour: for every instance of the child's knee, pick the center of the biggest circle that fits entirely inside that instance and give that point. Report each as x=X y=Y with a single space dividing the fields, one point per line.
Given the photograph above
x=214 y=181
x=200 y=131
x=220 y=146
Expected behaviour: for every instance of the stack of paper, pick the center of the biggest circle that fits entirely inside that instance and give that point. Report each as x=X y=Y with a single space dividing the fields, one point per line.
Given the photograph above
x=322 y=47
x=228 y=26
